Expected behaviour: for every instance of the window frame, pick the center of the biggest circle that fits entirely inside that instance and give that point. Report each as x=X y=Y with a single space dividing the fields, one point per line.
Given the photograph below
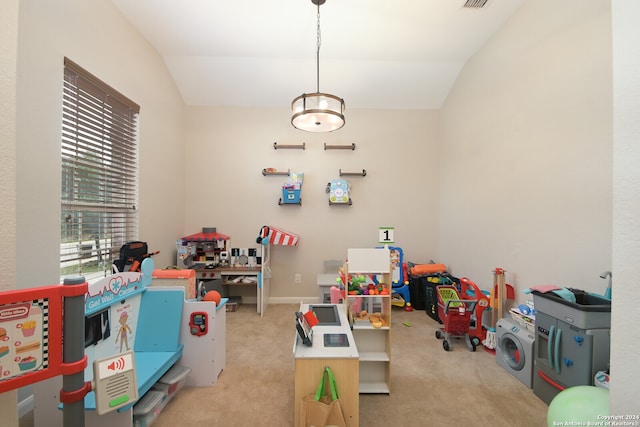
x=99 y=174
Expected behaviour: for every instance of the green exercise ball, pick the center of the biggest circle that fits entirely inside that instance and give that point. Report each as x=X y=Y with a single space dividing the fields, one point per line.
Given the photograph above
x=579 y=404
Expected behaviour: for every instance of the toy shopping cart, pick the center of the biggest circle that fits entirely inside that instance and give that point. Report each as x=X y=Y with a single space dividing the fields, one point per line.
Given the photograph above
x=455 y=314
x=469 y=290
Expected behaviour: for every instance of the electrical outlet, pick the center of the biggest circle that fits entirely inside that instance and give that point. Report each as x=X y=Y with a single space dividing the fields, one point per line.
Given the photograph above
x=298 y=278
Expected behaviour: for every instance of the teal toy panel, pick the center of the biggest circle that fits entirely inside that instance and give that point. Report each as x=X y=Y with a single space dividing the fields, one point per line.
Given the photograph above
x=338 y=190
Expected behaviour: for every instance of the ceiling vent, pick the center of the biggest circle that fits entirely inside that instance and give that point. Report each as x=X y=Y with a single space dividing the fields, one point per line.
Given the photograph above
x=474 y=4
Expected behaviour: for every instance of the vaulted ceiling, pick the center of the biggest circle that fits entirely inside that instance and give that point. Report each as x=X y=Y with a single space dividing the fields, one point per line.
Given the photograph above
x=400 y=54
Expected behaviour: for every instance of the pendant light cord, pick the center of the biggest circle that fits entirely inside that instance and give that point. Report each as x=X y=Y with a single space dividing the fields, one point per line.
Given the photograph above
x=317 y=112
x=318 y=53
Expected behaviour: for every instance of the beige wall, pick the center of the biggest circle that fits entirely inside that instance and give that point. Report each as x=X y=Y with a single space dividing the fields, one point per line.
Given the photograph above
x=228 y=148
x=8 y=69
x=539 y=146
x=94 y=35
x=528 y=127
x=508 y=174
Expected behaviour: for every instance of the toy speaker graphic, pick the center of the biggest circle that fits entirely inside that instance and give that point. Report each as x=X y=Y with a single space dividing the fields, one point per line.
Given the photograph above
x=115 y=383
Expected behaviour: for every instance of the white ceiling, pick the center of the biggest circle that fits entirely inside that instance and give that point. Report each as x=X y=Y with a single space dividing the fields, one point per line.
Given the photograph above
x=375 y=54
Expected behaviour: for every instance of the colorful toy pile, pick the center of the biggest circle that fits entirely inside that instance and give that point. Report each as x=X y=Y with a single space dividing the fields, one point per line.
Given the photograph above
x=359 y=286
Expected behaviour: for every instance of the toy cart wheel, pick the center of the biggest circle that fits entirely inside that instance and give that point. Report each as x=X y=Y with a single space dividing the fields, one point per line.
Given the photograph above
x=470 y=342
x=445 y=345
x=438 y=334
x=476 y=341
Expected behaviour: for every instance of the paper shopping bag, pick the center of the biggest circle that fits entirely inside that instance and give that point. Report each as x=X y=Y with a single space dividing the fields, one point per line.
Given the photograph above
x=323 y=411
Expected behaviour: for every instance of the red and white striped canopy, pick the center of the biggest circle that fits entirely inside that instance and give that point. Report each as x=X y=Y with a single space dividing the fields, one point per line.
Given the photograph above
x=278 y=236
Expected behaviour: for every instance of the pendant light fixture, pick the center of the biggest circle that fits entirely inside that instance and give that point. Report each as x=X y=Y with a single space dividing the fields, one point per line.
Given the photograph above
x=317 y=112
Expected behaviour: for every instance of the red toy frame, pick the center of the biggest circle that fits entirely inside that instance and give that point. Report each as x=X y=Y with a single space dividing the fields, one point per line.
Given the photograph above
x=51 y=340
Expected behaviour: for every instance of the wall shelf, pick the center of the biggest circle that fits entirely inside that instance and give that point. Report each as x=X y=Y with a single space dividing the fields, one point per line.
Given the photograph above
x=298 y=203
x=266 y=172
x=290 y=146
x=339 y=147
x=363 y=173
x=349 y=203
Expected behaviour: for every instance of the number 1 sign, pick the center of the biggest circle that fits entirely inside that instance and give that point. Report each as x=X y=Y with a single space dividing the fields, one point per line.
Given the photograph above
x=385 y=235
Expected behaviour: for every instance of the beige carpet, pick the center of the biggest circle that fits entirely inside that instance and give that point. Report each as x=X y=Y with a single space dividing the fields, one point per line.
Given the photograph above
x=429 y=387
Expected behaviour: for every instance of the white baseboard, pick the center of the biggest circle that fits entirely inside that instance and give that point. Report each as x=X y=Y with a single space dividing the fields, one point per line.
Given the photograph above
x=25 y=406
x=294 y=300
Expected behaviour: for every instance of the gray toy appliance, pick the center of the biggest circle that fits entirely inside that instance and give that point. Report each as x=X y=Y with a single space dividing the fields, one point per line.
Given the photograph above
x=514 y=350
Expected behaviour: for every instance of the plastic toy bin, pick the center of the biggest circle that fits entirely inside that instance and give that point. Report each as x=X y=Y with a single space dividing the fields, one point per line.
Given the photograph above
x=290 y=196
x=172 y=381
x=155 y=400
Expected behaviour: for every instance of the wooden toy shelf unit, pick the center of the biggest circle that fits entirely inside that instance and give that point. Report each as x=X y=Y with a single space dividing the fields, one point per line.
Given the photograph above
x=370 y=316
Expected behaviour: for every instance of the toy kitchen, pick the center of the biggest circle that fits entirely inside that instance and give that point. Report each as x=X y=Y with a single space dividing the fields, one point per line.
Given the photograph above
x=217 y=265
x=572 y=340
x=209 y=250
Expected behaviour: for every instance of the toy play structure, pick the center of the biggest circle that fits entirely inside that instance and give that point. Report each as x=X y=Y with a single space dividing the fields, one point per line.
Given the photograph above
x=122 y=314
x=122 y=340
x=31 y=348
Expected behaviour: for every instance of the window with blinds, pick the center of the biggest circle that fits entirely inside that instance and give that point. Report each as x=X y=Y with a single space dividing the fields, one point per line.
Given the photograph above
x=99 y=174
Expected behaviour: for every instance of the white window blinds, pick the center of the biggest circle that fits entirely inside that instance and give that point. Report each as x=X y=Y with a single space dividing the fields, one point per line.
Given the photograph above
x=99 y=174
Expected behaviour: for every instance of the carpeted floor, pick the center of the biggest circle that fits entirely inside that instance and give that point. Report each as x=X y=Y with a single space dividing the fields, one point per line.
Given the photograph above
x=429 y=386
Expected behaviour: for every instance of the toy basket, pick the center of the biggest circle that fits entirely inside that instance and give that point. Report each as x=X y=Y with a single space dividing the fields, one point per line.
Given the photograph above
x=455 y=314
x=526 y=321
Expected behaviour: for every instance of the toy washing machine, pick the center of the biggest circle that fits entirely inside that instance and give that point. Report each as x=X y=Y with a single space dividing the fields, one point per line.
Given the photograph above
x=514 y=350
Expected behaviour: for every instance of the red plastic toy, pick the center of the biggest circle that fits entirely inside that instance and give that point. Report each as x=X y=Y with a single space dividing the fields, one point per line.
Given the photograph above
x=455 y=314
x=470 y=291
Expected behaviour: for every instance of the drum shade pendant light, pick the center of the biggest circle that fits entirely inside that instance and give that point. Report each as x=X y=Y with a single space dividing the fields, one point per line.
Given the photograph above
x=317 y=112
